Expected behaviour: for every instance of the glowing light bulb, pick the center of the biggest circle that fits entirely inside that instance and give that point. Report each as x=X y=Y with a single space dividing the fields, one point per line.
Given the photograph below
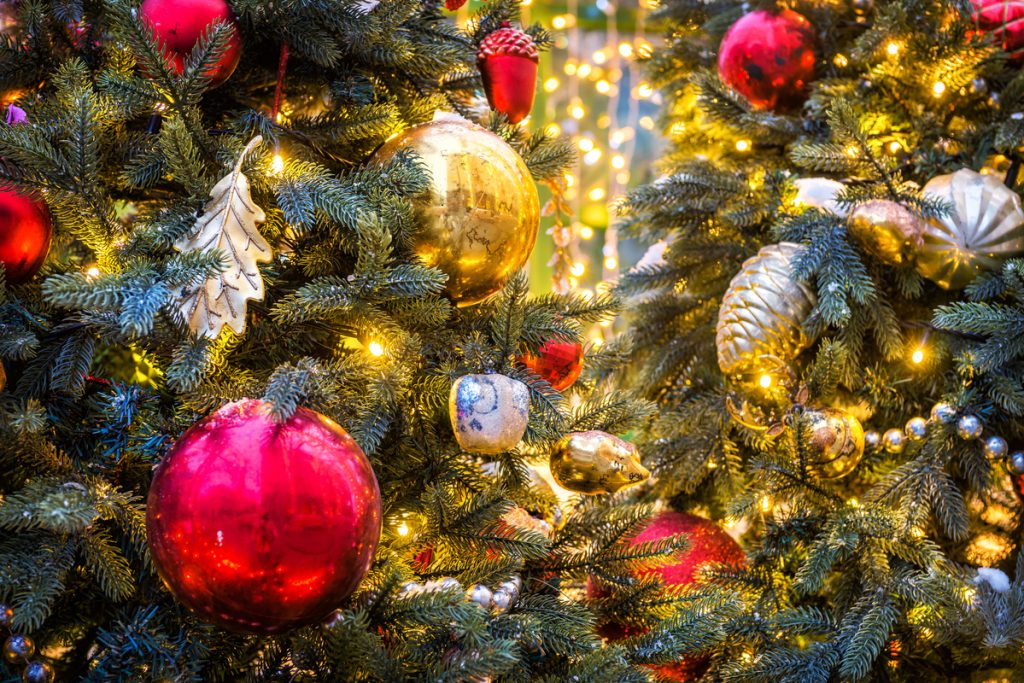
x=375 y=348
x=938 y=88
x=840 y=60
x=276 y=164
x=577 y=111
x=626 y=50
x=645 y=90
x=647 y=123
x=852 y=151
x=893 y=49
x=600 y=57
x=622 y=177
x=570 y=68
x=596 y=342
x=403 y=529
x=765 y=381
x=583 y=70
x=611 y=263
x=553 y=130
x=853 y=502
x=603 y=86
x=712 y=464
x=766 y=504
x=596 y=194
x=570 y=180
x=578 y=268
x=917 y=356
x=743 y=145
x=551 y=84
x=559 y=22
x=586 y=232
x=894 y=147
x=618 y=161
x=585 y=144
x=592 y=157
x=92 y=272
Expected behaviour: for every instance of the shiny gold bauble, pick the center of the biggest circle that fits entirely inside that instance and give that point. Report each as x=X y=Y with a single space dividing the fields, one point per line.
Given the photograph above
x=887 y=230
x=481 y=214
x=595 y=462
x=984 y=228
x=763 y=312
x=835 y=441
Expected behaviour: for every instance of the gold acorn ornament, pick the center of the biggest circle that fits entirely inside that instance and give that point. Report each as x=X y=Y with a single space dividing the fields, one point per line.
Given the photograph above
x=984 y=228
x=489 y=413
x=763 y=312
x=481 y=214
x=594 y=462
x=888 y=231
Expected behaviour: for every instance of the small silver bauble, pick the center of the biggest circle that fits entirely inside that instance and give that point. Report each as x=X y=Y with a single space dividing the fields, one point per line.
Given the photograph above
x=969 y=427
x=995 y=447
x=481 y=595
x=511 y=587
x=916 y=429
x=872 y=440
x=894 y=441
x=450 y=583
x=501 y=599
x=1015 y=462
x=410 y=588
x=943 y=413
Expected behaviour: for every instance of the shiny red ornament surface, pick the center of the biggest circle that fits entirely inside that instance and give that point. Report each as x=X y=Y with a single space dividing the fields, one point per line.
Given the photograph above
x=707 y=543
x=261 y=527
x=1004 y=21
x=178 y=24
x=452 y=5
x=768 y=57
x=560 y=363
x=25 y=232
x=508 y=60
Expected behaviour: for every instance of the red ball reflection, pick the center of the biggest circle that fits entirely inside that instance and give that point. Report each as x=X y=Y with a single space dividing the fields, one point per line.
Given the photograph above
x=262 y=527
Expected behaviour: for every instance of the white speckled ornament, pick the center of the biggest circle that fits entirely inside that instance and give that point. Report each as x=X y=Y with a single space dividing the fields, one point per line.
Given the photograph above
x=488 y=412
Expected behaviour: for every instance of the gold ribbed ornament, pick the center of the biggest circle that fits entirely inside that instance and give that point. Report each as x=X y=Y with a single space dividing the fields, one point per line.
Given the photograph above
x=481 y=215
x=984 y=228
x=763 y=312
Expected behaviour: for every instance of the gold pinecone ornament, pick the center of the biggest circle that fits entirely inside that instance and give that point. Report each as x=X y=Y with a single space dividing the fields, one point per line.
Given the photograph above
x=763 y=312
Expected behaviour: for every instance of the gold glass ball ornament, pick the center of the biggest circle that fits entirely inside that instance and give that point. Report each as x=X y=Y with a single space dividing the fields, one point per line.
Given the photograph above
x=763 y=312
x=887 y=230
x=835 y=441
x=481 y=214
x=984 y=228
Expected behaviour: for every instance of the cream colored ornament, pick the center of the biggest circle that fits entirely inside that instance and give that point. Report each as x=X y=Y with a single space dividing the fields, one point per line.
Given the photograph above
x=763 y=312
x=228 y=223
x=984 y=228
x=489 y=413
x=819 y=193
x=887 y=230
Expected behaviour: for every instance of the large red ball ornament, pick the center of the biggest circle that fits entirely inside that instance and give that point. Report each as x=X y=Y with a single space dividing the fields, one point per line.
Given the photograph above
x=24 y=235
x=769 y=58
x=1004 y=21
x=707 y=543
x=560 y=363
x=178 y=24
x=262 y=527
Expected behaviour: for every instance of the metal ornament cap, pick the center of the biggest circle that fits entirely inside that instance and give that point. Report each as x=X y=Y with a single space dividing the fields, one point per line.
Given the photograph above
x=594 y=462
x=489 y=413
x=984 y=228
x=480 y=215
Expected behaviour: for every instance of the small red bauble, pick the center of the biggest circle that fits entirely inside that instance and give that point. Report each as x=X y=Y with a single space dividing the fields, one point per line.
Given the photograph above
x=178 y=24
x=24 y=235
x=507 y=59
x=560 y=363
x=452 y=5
x=707 y=543
x=1004 y=21
x=768 y=57
x=262 y=527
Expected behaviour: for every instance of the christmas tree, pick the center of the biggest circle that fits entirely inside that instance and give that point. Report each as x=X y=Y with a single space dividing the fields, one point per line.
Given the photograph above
x=276 y=403
x=830 y=320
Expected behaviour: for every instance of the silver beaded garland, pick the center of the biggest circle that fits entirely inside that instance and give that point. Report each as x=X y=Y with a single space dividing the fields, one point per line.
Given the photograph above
x=1015 y=462
x=916 y=429
x=894 y=441
x=481 y=595
x=943 y=413
x=872 y=440
x=501 y=599
x=995 y=447
x=969 y=427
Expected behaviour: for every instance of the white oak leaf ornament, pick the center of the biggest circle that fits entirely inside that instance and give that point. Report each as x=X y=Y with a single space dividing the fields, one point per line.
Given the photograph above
x=228 y=223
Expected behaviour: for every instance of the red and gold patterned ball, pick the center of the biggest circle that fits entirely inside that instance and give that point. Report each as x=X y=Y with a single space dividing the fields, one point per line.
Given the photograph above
x=560 y=363
x=262 y=527
x=24 y=235
x=1004 y=21
x=768 y=57
x=178 y=24
x=707 y=543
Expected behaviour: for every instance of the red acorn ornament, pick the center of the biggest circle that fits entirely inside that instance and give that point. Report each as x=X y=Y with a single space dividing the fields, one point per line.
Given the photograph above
x=507 y=59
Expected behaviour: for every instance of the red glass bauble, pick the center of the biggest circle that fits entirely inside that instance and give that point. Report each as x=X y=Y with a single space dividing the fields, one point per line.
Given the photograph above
x=707 y=543
x=261 y=527
x=508 y=60
x=1004 y=21
x=560 y=363
x=178 y=24
x=768 y=57
x=24 y=235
